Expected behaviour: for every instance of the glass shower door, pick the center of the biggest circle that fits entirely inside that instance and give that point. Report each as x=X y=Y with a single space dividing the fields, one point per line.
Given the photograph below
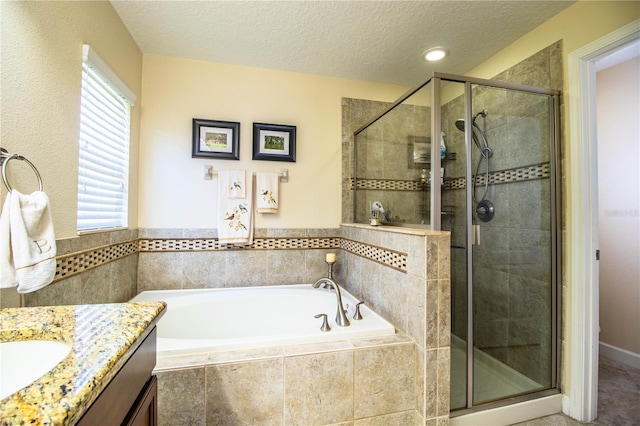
x=512 y=287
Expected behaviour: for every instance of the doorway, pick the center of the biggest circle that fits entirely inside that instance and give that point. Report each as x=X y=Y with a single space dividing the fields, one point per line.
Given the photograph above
x=582 y=225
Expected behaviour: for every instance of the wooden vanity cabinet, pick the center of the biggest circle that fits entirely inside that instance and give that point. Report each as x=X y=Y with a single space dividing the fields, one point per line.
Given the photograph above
x=131 y=396
x=145 y=411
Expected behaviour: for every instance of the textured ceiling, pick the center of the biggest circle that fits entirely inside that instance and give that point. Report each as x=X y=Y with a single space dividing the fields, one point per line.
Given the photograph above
x=378 y=41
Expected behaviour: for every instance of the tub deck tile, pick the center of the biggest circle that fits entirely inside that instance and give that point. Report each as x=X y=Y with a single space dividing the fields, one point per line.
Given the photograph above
x=244 y=355
x=180 y=361
x=315 y=348
x=402 y=418
x=397 y=338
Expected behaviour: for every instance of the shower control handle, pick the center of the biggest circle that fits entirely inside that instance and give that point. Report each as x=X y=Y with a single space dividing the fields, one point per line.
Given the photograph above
x=357 y=315
x=325 y=324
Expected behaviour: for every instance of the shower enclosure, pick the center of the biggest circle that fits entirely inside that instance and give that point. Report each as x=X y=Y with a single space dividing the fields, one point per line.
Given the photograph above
x=412 y=166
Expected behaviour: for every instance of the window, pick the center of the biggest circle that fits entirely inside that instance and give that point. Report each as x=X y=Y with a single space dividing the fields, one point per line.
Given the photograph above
x=103 y=169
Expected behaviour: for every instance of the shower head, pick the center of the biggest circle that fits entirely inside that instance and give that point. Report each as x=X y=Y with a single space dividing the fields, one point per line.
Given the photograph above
x=484 y=146
x=460 y=126
x=460 y=121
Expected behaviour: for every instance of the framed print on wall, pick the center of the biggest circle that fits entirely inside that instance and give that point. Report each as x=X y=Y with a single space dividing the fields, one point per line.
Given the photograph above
x=216 y=139
x=274 y=142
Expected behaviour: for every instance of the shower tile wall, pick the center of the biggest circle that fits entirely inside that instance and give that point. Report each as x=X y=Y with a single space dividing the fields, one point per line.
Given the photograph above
x=385 y=153
x=512 y=281
x=355 y=113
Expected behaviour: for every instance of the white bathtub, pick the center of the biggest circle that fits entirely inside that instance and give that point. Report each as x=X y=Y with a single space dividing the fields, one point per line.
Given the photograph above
x=213 y=320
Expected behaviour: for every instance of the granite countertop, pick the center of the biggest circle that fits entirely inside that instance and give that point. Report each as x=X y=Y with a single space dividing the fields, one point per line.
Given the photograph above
x=103 y=338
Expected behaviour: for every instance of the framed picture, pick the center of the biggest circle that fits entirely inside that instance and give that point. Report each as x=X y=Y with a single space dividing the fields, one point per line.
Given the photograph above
x=216 y=139
x=274 y=142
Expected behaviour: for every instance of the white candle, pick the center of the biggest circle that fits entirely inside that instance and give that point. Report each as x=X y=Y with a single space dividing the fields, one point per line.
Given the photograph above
x=331 y=257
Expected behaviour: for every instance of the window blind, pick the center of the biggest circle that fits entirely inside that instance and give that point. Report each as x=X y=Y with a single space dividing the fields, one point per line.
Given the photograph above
x=103 y=169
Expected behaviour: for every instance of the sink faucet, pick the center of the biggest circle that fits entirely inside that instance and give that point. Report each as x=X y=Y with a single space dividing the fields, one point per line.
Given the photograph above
x=341 y=318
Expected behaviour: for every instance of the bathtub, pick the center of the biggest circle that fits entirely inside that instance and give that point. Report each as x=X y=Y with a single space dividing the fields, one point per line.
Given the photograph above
x=213 y=320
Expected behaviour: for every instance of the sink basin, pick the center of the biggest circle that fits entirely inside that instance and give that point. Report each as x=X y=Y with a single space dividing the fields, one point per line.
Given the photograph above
x=23 y=362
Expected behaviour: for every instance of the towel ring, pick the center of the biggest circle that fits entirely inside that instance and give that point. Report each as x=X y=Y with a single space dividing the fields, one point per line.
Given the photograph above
x=18 y=157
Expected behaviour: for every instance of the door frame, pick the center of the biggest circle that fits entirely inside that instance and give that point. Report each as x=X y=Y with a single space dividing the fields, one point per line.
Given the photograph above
x=580 y=400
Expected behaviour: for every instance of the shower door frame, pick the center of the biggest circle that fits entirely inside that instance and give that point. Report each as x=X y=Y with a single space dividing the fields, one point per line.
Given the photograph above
x=555 y=213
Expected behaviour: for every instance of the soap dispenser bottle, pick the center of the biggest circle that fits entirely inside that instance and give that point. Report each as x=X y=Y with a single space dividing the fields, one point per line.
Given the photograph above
x=443 y=147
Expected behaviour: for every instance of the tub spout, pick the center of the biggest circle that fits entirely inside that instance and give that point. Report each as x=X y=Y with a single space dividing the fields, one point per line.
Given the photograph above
x=341 y=318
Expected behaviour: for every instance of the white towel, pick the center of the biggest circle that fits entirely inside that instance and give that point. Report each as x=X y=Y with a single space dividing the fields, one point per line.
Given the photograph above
x=235 y=215
x=233 y=183
x=267 y=192
x=7 y=271
x=27 y=242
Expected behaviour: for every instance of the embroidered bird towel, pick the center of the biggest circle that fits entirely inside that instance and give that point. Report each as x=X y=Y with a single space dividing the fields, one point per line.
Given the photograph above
x=27 y=242
x=233 y=183
x=267 y=192
x=235 y=215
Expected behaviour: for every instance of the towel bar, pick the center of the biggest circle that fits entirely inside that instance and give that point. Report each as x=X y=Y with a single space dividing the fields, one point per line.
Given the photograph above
x=209 y=172
x=6 y=157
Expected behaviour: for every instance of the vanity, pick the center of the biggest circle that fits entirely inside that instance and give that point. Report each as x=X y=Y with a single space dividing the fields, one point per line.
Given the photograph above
x=93 y=364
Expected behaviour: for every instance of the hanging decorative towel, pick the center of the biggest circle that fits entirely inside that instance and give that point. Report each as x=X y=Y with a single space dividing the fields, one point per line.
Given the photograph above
x=27 y=242
x=234 y=183
x=267 y=192
x=235 y=216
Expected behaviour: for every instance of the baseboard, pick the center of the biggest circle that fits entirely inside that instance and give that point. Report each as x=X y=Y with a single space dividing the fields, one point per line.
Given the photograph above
x=629 y=358
x=566 y=404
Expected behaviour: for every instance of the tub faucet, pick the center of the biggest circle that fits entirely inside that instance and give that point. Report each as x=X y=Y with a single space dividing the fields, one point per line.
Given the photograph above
x=341 y=318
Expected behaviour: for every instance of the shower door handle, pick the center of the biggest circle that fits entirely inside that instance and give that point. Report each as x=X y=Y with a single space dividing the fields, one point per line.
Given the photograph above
x=475 y=235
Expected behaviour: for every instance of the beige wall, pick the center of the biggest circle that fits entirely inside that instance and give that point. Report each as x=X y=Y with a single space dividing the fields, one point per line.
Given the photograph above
x=619 y=204
x=40 y=94
x=173 y=192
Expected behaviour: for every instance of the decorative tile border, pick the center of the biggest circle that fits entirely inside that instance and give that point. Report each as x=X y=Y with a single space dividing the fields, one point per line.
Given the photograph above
x=387 y=184
x=212 y=244
x=76 y=263
x=394 y=259
x=72 y=264
x=518 y=174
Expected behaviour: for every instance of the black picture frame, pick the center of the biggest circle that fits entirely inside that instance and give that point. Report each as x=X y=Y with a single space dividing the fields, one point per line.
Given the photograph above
x=274 y=142
x=216 y=139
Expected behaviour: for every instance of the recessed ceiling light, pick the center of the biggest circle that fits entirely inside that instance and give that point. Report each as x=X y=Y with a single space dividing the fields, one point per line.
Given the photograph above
x=435 y=54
